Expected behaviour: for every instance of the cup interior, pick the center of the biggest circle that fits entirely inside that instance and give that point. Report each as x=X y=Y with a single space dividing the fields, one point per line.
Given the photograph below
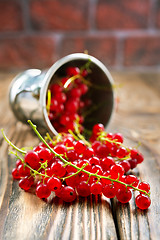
x=100 y=90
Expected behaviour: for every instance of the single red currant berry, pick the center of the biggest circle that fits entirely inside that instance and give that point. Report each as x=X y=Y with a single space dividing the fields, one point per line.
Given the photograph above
x=68 y=194
x=83 y=189
x=124 y=195
x=84 y=162
x=70 y=168
x=88 y=153
x=64 y=119
x=110 y=135
x=121 y=152
x=68 y=140
x=116 y=171
x=23 y=170
x=80 y=147
x=60 y=149
x=94 y=161
x=143 y=201
x=53 y=105
x=106 y=163
x=109 y=191
x=96 y=188
x=134 y=152
x=118 y=137
x=55 y=88
x=58 y=169
x=132 y=180
x=140 y=158
x=54 y=183
x=45 y=155
x=102 y=151
x=71 y=71
x=18 y=162
x=97 y=169
x=58 y=192
x=72 y=155
x=25 y=183
x=126 y=165
x=84 y=88
x=133 y=163
x=32 y=159
x=15 y=173
x=144 y=186
x=113 y=150
x=75 y=92
x=60 y=97
x=71 y=106
x=105 y=181
x=84 y=72
x=72 y=181
x=97 y=128
x=42 y=191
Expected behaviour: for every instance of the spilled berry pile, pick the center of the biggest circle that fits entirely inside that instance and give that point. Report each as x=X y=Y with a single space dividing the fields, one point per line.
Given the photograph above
x=71 y=166
x=67 y=98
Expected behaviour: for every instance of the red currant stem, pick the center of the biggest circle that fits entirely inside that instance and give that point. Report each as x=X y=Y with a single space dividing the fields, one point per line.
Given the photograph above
x=48 y=101
x=88 y=178
x=11 y=144
x=70 y=148
x=86 y=66
x=50 y=139
x=92 y=109
x=72 y=133
x=71 y=79
x=34 y=127
x=104 y=138
x=122 y=159
x=98 y=87
x=80 y=135
x=18 y=157
x=74 y=174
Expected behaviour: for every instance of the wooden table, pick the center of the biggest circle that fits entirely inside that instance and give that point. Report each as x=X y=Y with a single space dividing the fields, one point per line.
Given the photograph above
x=24 y=217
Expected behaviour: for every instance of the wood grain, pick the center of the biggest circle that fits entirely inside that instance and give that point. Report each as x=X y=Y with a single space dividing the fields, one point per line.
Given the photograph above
x=23 y=216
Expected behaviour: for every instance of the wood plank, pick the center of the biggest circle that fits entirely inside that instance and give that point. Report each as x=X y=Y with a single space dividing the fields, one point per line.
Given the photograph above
x=138 y=118
x=24 y=216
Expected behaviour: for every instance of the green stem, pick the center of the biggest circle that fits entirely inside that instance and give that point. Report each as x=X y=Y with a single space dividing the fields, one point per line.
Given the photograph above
x=71 y=79
x=11 y=144
x=79 y=169
x=80 y=135
x=104 y=138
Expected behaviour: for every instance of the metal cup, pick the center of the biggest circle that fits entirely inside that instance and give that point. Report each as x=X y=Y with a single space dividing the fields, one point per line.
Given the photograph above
x=28 y=92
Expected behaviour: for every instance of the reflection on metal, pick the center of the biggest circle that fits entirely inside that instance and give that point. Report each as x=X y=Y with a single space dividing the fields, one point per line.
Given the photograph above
x=28 y=91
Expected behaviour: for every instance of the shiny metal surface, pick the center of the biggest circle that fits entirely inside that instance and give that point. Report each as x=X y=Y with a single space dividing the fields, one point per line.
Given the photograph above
x=28 y=91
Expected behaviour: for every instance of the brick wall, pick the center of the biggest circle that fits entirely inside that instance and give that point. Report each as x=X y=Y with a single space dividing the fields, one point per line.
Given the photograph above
x=123 y=34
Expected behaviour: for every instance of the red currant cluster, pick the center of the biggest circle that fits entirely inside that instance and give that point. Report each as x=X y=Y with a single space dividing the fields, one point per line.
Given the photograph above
x=70 y=167
x=67 y=99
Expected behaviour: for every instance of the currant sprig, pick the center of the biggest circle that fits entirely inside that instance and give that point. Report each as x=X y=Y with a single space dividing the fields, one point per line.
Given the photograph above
x=53 y=166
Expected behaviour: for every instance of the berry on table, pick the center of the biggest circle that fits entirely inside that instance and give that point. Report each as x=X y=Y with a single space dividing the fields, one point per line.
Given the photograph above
x=143 y=201
x=72 y=166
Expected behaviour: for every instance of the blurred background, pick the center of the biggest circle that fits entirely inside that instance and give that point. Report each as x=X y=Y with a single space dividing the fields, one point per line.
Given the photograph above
x=123 y=34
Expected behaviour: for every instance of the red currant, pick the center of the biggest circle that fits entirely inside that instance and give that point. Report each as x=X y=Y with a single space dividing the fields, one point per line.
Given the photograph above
x=143 y=201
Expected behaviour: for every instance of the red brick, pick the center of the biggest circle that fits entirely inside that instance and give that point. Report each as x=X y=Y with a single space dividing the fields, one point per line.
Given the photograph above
x=157 y=14
x=142 y=51
x=26 y=52
x=10 y=16
x=59 y=15
x=124 y=14
x=102 y=48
